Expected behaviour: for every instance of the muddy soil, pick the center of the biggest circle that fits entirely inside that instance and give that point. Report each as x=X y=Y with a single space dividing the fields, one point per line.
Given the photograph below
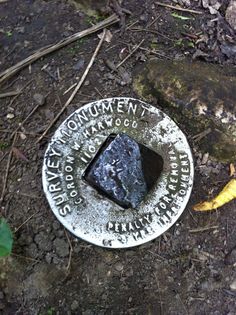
x=188 y=270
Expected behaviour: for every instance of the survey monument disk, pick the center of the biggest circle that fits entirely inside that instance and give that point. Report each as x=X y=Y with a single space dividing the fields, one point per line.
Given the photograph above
x=118 y=172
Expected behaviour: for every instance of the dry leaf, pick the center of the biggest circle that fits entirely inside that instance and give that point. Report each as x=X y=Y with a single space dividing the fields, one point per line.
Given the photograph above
x=227 y=194
x=108 y=36
x=19 y=155
x=231 y=169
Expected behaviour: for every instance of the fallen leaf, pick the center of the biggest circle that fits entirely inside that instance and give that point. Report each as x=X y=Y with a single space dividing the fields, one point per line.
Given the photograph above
x=108 y=36
x=231 y=169
x=227 y=194
x=181 y=17
x=19 y=155
x=6 y=238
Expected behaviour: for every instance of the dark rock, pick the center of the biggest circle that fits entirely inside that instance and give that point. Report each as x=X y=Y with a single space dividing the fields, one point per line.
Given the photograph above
x=199 y=96
x=124 y=171
x=230 y=258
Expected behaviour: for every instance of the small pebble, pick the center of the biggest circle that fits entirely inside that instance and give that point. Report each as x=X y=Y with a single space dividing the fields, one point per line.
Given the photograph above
x=205 y=158
x=74 y=306
x=119 y=266
x=230 y=258
x=79 y=65
x=22 y=136
x=233 y=285
x=39 y=99
x=10 y=116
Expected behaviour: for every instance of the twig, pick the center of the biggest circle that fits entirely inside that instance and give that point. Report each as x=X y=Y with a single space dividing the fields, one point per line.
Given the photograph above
x=132 y=24
x=25 y=257
x=7 y=169
x=181 y=301
x=201 y=135
x=9 y=94
x=177 y=8
x=70 y=88
x=159 y=293
x=151 y=31
x=97 y=90
x=71 y=250
x=17 y=229
x=76 y=88
x=131 y=53
x=157 y=255
x=206 y=228
x=27 y=195
x=28 y=116
x=148 y=50
x=20 y=91
x=19 y=132
x=120 y=12
x=154 y=53
x=154 y=21
x=6 y=74
x=3 y=156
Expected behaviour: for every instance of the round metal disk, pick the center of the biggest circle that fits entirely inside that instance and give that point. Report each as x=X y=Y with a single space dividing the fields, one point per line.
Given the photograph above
x=89 y=214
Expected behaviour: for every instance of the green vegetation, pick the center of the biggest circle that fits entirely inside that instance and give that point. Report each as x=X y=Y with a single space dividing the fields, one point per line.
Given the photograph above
x=6 y=238
x=51 y=311
x=181 y=17
x=77 y=45
x=94 y=19
x=8 y=33
x=4 y=145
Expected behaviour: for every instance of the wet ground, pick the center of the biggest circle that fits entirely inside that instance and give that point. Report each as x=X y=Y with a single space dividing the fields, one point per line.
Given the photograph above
x=190 y=269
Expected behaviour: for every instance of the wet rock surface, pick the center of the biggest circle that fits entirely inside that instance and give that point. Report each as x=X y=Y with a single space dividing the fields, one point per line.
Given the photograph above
x=200 y=96
x=121 y=170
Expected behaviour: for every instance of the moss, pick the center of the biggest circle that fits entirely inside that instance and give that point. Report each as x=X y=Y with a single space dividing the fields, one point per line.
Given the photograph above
x=91 y=8
x=192 y=93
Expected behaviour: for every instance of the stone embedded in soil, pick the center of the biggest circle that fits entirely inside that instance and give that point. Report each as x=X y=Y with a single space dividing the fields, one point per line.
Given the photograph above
x=230 y=14
x=124 y=171
x=39 y=99
x=199 y=96
x=230 y=258
x=74 y=305
x=233 y=285
x=61 y=247
x=43 y=242
x=79 y=65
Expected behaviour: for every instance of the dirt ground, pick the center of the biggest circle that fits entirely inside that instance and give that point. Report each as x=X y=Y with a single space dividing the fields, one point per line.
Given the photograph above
x=188 y=270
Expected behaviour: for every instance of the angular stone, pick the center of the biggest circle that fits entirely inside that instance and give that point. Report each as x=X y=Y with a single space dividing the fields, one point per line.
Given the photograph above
x=199 y=96
x=124 y=170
